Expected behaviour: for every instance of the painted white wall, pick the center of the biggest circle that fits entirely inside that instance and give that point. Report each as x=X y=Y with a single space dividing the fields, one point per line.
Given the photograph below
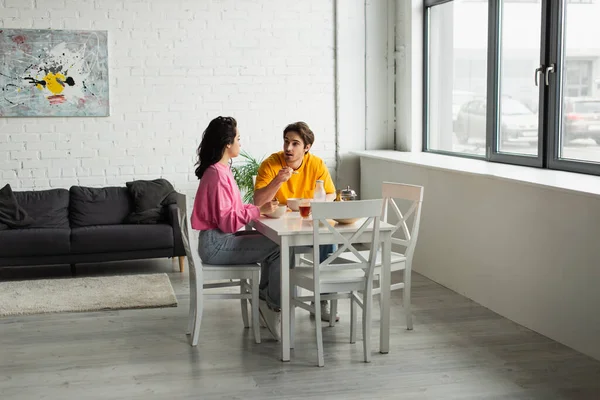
x=409 y=75
x=174 y=65
x=365 y=82
x=350 y=87
x=529 y=253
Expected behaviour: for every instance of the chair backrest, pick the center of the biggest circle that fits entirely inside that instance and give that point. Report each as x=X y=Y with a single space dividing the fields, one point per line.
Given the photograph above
x=194 y=262
x=411 y=195
x=369 y=212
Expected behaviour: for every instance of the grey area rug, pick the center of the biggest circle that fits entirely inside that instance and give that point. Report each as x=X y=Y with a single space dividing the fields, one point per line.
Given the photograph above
x=86 y=294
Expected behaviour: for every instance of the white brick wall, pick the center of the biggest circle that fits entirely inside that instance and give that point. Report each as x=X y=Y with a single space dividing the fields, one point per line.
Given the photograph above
x=174 y=65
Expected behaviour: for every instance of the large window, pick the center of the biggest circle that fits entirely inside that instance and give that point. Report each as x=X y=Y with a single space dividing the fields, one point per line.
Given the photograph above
x=514 y=81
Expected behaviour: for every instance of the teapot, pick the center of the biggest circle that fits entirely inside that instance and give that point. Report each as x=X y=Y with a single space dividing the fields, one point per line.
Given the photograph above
x=346 y=194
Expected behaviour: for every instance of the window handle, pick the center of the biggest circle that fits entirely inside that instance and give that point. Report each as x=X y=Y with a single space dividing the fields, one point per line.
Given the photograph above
x=549 y=70
x=538 y=71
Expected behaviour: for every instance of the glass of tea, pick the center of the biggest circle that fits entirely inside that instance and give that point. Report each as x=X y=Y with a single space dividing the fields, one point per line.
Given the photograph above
x=304 y=208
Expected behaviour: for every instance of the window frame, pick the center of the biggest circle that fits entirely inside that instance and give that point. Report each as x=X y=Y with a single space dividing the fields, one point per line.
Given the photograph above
x=550 y=97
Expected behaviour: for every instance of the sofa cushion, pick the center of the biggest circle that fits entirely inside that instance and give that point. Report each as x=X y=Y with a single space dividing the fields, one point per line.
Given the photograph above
x=34 y=242
x=149 y=199
x=99 y=206
x=112 y=238
x=12 y=215
x=47 y=208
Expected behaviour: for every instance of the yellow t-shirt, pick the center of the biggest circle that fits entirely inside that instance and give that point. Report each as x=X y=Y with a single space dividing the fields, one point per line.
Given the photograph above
x=300 y=185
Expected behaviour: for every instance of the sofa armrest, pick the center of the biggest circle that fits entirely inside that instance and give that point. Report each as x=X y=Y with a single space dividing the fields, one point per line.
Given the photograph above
x=174 y=216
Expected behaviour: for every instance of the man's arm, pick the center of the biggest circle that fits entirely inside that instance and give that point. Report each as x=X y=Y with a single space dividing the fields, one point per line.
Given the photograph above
x=267 y=193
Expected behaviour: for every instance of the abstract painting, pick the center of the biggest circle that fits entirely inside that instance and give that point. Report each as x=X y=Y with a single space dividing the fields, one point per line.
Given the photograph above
x=53 y=73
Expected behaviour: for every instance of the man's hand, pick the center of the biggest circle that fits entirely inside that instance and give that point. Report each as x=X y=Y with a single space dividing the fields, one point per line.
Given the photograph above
x=284 y=175
x=265 y=194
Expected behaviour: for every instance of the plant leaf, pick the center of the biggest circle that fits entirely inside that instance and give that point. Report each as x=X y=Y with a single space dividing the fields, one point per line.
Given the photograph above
x=243 y=172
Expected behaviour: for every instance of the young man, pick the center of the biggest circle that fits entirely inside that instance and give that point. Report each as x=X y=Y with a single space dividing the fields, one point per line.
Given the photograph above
x=292 y=173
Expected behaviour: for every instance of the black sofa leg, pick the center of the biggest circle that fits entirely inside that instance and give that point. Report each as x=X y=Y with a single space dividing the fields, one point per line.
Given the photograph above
x=73 y=270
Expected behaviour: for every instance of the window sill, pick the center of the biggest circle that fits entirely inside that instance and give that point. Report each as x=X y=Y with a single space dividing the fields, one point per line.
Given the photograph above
x=564 y=181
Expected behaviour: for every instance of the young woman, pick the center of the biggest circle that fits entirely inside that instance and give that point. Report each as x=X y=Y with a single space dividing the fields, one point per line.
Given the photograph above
x=219 y=215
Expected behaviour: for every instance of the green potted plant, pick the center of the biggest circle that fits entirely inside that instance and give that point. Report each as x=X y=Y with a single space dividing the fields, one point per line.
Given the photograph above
x=243 y=172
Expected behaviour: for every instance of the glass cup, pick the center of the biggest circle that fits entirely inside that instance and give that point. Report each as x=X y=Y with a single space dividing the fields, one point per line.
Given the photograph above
x=304 y=208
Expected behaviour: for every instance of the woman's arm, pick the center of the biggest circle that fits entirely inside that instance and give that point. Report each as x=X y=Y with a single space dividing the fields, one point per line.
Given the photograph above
x=225 y=209
x=232 y=217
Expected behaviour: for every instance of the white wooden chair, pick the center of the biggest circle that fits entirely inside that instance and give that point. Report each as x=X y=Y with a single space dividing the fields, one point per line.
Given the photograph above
x=340 y=281
x=200 y=273
x=404 y=234
x=246 y=276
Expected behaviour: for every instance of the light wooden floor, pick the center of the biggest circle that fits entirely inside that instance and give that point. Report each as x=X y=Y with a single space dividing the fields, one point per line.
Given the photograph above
x=458 y=350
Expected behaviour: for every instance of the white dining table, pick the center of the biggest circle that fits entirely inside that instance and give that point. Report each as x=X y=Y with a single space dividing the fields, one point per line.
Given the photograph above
x=292 y=230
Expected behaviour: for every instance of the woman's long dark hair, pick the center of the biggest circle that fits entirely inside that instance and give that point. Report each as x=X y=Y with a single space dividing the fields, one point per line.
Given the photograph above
x=220 y=132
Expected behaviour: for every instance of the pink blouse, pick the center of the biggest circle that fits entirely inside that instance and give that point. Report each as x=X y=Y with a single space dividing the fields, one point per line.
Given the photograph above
x=218 y=202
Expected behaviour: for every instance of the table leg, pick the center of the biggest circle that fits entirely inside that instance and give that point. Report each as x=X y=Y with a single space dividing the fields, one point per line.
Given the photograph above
x=386 y=254
x=285 y=299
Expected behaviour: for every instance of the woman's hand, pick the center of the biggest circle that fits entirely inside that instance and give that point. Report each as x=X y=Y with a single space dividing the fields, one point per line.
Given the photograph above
x=269 y=207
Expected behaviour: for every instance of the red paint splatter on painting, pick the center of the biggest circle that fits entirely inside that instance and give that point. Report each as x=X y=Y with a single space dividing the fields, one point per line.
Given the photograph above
x=20 y=39
x=58 y=99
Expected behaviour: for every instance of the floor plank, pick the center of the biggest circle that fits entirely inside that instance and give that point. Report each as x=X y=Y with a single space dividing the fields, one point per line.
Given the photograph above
x=458 y=350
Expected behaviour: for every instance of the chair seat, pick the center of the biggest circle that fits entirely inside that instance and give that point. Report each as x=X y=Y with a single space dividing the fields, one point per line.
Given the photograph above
x=353 y=279
x=237 y=271
x=234 y=267
x=398 y=259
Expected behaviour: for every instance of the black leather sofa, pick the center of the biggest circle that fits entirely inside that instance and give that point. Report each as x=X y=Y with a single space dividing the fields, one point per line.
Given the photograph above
x=84 y=225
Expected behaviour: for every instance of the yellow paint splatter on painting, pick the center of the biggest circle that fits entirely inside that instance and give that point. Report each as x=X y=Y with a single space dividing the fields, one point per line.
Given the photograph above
x=52 y=82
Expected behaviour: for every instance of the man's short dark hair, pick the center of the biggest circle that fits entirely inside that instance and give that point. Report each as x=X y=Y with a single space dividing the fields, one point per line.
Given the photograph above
x=302 y=129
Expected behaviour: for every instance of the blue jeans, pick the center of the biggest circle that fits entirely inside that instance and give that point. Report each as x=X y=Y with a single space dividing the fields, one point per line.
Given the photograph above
x=245 y=247
x=325 y=250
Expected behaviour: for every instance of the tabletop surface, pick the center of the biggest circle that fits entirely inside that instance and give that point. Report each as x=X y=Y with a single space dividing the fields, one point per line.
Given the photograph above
x=291 y=223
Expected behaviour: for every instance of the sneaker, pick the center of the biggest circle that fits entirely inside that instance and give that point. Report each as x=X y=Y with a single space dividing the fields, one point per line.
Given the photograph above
x=325 y=312
x=271 y=319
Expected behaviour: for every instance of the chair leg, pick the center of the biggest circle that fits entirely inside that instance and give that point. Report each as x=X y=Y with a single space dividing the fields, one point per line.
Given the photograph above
x=407 y=299
x=255 y=300
x=319 y=332
x=332 y=312
x=352 y=320
x=193 y=299
x=181 y=263
x=199 y=309
x=293 y=294
x=192 y=312
x=244 y=303
x=366 y=323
